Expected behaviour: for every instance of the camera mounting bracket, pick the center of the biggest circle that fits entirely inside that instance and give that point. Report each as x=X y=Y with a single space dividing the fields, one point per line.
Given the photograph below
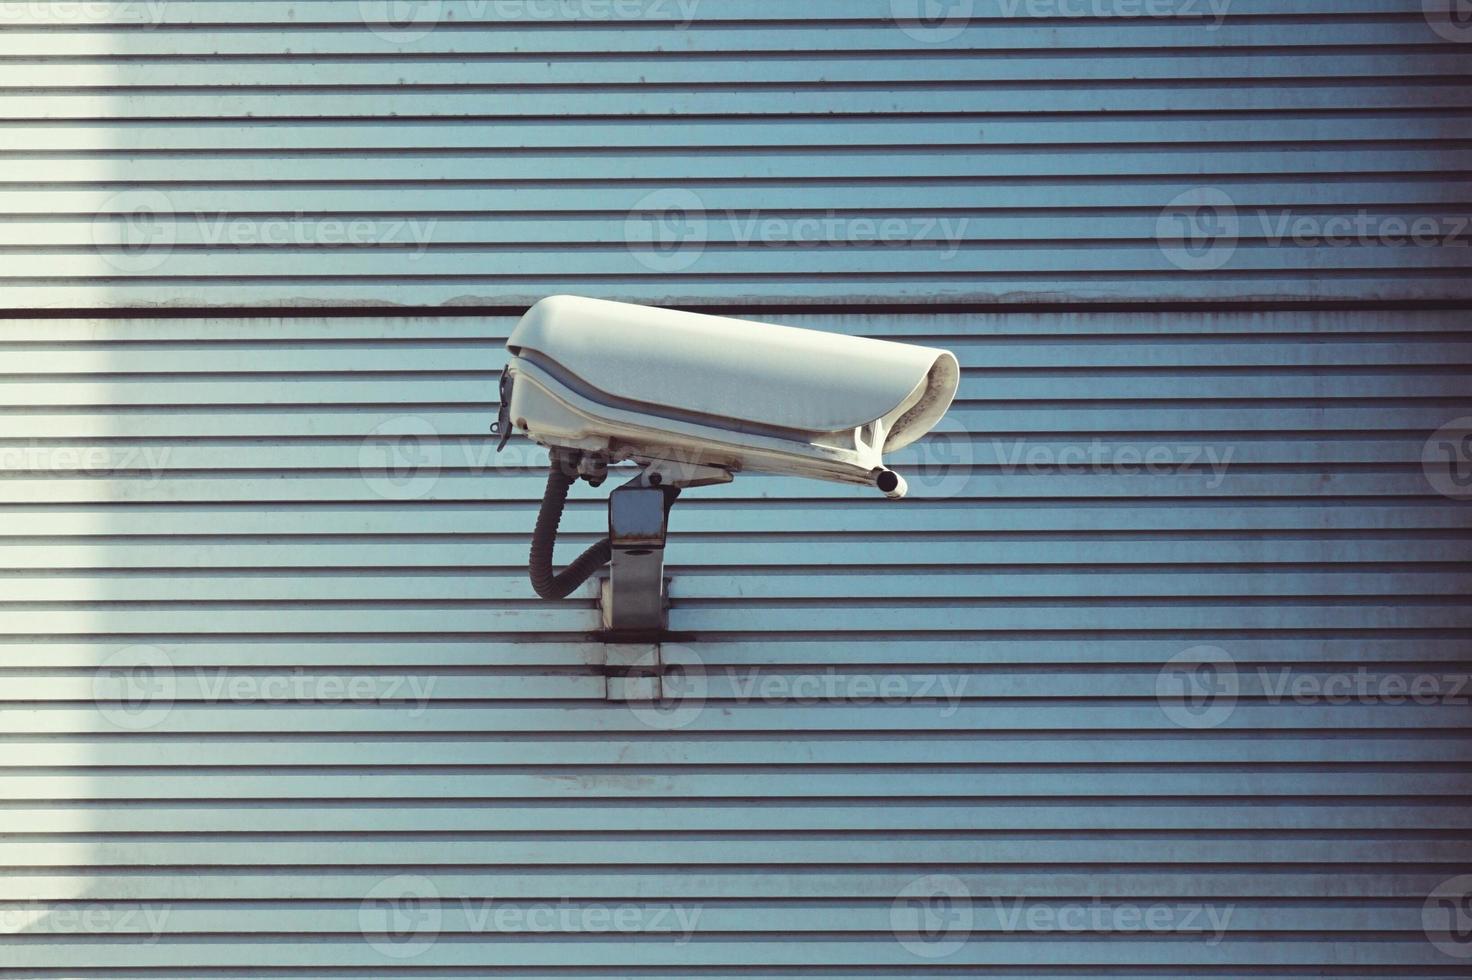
x=633 y=596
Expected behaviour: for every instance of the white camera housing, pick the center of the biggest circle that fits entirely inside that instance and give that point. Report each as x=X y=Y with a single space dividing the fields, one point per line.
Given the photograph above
x=706 y=393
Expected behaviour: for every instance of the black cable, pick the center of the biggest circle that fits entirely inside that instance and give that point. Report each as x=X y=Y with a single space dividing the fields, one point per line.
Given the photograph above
x=559 y=585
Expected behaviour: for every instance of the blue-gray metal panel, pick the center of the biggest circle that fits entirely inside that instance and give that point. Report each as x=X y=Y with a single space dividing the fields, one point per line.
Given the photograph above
x=198 y=488
x=212 y=492
x=333 y=153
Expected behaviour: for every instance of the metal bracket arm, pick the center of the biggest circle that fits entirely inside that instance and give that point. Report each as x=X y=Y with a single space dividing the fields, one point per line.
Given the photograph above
x=633 y=594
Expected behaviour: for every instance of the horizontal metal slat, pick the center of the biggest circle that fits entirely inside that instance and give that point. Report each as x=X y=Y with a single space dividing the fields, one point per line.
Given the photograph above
x=591 y=785
x=953 y=851
x=1127 y=485
x=943 y=463
x=1318 y=286
x=136 y=751
x=1125 y=482
x=608 y=719
x=625 y=198
x=515 y=884
x=677 y=816
x=879 y=258
x=1185 y=918
x=589 y=516
x=1121 y=128
x=1025 y=33
x=787 y=685
x=1291 y=416
x=582 y=71
x=986 y=330
x=635 y=973
x=1137 y=647
x=1145 y=361
x=706 y=616
x=410 y=238
x=288 y=13
x=298 y=585
x=1075 y=549
x=20 y=104
x=648 y=952
x=262 y=388
x=751 y=165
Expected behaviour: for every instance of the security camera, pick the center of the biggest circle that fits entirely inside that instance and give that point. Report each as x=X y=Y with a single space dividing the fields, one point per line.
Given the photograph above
x=695 y=400
x=619 y=382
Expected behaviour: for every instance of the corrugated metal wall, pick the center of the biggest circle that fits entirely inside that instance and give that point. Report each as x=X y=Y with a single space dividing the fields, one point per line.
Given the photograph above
x=1162 y=673
x=489 y=152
